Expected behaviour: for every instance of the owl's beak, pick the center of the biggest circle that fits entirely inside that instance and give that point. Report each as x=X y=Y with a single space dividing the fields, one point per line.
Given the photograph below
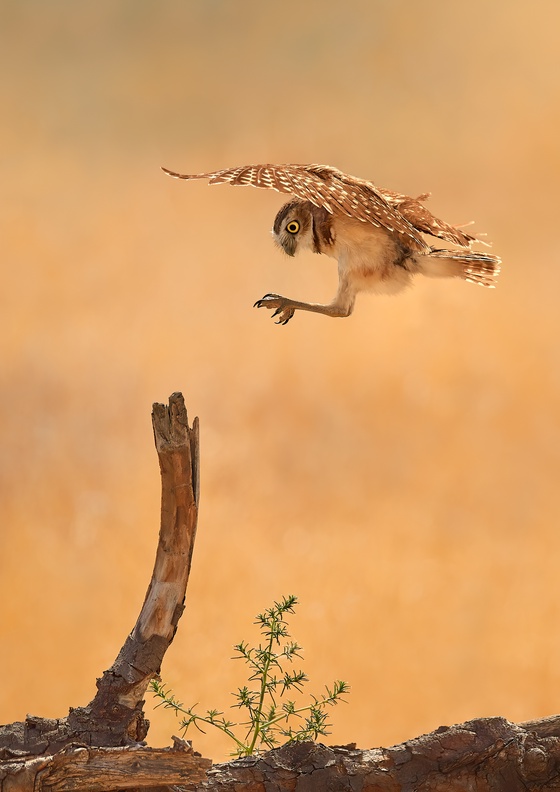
x=289 y=245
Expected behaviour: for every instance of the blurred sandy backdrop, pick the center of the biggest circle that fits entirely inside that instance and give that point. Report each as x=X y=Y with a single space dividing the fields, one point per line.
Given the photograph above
x=397 y=470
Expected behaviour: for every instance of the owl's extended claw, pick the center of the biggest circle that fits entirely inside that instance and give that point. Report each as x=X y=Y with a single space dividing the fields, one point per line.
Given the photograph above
x=265 y=302
x=283 y=308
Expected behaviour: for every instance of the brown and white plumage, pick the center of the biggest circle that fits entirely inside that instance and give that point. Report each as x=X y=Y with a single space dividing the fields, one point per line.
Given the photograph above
x=375 y=234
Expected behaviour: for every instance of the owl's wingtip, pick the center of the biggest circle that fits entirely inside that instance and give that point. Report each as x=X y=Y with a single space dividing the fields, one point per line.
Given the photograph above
x=173 y=174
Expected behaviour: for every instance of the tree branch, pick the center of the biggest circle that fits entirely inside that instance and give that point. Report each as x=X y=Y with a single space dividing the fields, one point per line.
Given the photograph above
x=115 y=716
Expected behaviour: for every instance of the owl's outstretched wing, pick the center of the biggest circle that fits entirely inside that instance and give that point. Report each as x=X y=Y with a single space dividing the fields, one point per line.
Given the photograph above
x=324 y=187
x=340 y=193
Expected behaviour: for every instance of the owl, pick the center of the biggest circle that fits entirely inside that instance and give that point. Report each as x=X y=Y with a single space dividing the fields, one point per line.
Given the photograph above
x=376 y=235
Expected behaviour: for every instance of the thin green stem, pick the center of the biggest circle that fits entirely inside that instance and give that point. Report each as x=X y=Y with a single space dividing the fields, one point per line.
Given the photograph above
x=258 y=713
x=240 y=745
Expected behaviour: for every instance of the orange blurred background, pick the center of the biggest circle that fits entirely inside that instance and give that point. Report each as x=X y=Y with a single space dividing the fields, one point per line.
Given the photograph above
x=397 y=470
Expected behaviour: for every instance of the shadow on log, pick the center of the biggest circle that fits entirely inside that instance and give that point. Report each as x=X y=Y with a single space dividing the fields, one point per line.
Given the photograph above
x=100 y=747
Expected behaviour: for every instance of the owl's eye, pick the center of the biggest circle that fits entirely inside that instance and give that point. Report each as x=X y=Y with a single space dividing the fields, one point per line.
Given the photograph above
x=292 y=227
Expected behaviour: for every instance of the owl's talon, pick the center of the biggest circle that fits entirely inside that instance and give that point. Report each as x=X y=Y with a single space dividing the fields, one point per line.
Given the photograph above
x=281 y=306
x=264 y=302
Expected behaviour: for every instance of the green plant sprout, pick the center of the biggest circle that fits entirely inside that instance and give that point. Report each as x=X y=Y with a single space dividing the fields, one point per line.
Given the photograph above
x=269 y=717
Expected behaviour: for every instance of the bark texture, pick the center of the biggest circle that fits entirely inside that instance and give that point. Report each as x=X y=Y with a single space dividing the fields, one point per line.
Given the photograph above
x=78 y=768
x=484 y=755
x=115 y=716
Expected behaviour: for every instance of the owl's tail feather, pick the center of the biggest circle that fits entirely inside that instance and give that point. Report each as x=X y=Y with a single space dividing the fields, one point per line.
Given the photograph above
x=474 y=267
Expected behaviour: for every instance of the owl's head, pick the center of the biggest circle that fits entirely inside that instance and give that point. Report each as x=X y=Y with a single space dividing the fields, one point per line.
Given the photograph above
x=293 y=227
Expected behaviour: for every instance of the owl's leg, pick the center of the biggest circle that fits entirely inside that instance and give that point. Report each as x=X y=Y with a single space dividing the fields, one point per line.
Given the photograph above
x=284 y=308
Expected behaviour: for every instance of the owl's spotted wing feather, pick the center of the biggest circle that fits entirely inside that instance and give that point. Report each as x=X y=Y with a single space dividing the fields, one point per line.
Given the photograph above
x=423 y=220
x=339 y=193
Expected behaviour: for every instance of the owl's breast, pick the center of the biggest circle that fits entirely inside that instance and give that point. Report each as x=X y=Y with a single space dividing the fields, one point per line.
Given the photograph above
x=369 y=257
x=362 y=245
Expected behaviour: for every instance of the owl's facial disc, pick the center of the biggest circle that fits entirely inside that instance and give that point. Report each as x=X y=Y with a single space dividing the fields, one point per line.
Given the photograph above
x=291 y=227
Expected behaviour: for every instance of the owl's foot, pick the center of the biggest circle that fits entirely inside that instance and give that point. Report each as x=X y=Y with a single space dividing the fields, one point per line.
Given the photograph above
x=284 y=308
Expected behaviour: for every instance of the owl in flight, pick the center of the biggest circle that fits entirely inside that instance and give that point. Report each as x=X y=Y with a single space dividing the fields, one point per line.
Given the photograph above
x=375 y=235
